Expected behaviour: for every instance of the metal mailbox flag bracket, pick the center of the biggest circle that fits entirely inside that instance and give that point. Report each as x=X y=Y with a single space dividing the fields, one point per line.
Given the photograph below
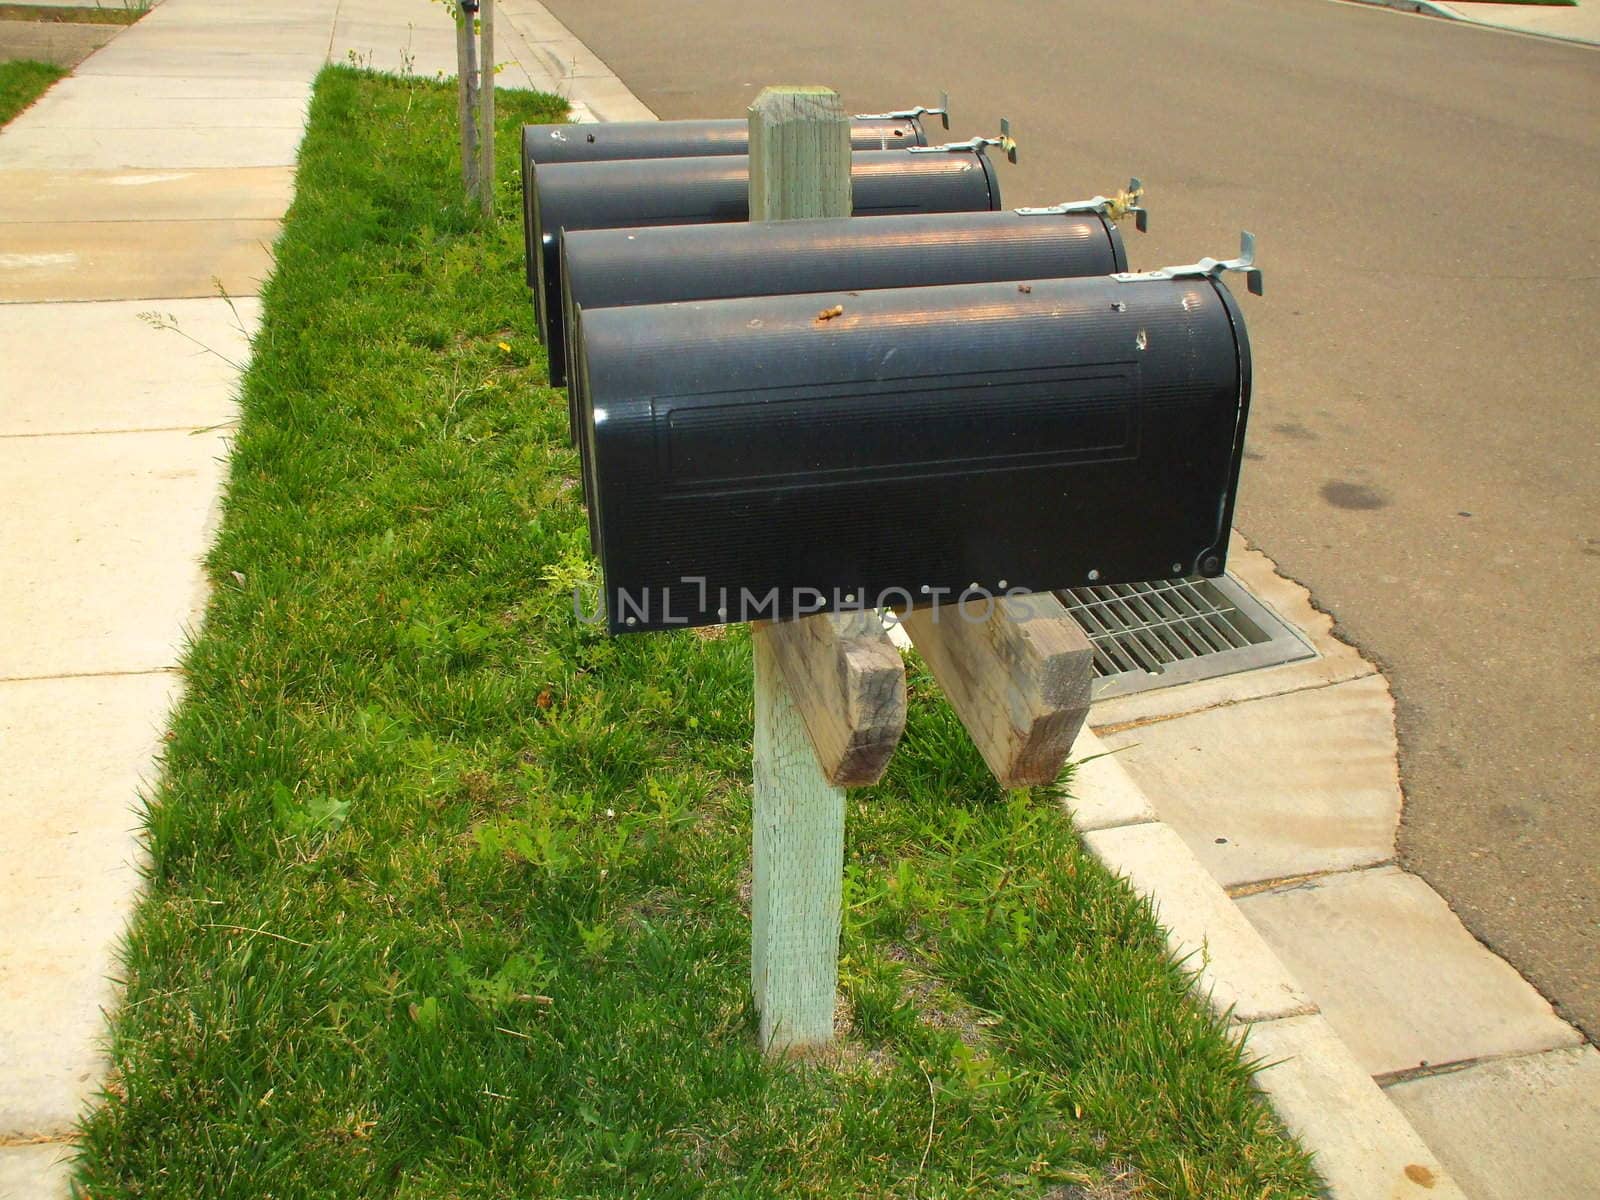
x=1005 y=141
x=1209 y=268
x=911 y=114
x=1112 y=208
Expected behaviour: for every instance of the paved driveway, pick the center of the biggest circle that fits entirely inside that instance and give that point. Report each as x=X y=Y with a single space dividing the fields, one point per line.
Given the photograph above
x=1425 y=445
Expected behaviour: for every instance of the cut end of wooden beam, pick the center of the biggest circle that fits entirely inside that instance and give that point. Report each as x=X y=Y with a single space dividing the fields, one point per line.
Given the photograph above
x=777 y=92
x=849 y=684
x=1018 y=671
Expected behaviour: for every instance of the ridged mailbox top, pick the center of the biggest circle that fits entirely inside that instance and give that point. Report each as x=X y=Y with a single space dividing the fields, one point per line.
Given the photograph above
x=697 y=191
x=607 y=268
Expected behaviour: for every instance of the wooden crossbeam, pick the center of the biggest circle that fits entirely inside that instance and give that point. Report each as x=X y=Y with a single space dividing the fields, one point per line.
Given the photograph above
x=848 y=683
x=1018 y=672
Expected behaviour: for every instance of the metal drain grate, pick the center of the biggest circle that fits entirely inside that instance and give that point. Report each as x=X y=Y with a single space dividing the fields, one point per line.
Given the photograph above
x=1151 y=635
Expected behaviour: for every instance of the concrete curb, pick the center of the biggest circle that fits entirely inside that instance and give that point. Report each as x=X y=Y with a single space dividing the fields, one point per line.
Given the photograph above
x=1428 y=8
x=1424 y=8
x=1283 y=784
x=1363 y=1143
x=588 y=84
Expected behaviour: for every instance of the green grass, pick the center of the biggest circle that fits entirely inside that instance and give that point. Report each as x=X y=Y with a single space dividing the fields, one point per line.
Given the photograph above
x=446 y=887
x=23 y=81
x=87 y=14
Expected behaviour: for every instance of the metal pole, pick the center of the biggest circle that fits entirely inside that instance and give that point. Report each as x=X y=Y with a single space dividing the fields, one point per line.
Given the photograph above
x=466 y=101
x=486 y=101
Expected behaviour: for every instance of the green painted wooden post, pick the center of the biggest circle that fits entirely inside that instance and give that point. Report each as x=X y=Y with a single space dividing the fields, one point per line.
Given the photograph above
x=830 y=689
x=799 y=155
x=797 y=859
x=799 y=167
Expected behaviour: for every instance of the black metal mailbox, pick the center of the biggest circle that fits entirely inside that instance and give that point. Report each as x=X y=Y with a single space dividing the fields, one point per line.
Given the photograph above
x=763 y=457
x=696 y=191
x=668 y=263
x=611 y=140
x=612 y=268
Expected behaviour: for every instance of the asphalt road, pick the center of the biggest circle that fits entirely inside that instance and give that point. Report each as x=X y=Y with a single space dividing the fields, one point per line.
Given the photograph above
x=1425 y=438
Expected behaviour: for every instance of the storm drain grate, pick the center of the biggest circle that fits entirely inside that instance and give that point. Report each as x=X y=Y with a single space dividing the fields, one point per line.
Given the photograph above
x=1150 y=635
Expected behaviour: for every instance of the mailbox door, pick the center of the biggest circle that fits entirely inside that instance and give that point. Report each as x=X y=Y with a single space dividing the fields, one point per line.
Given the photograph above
x=611 y=140
x=696 y=191
x=609 y=268
x=750 y=457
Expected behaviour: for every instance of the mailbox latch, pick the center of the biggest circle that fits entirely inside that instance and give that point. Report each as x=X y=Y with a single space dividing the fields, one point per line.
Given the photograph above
x=1005 y=141
x=1209 y=268
x=911 y=114
x=1112 y=208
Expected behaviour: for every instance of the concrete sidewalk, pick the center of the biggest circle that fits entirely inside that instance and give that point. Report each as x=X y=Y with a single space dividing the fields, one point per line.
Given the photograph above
x=151 y=181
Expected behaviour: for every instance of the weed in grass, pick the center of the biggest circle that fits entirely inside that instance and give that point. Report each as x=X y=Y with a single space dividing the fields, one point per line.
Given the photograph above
x=445 y=885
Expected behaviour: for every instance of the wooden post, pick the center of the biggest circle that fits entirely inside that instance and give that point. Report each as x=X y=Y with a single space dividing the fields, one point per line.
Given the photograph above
x=799 y=155
x=1018 y=672
x=486 y=73
x=466 y=107
x=797 y=871
x=830 y=689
